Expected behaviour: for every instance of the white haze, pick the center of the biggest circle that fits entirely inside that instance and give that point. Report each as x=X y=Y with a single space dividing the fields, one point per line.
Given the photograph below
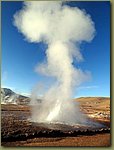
x=62 y=28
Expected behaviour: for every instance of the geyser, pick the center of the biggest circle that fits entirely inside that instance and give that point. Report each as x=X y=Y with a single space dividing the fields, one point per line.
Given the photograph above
x=62 y=28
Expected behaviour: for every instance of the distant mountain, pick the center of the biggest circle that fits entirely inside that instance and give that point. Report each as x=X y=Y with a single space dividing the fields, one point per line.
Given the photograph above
x=10 y=97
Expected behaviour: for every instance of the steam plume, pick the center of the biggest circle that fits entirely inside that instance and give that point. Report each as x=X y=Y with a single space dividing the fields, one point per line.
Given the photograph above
x=62 y=28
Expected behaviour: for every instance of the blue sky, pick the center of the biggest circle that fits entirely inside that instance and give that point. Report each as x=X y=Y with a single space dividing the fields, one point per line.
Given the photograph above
x=20 y=57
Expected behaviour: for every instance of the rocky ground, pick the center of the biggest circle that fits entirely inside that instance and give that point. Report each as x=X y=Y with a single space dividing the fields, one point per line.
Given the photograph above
x=96 y=107
x=17 y=130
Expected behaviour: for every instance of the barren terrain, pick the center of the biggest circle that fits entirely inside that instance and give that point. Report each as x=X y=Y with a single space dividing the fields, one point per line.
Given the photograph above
x=17 y=130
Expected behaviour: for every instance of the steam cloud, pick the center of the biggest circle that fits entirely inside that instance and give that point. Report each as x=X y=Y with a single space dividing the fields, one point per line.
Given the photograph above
x=62 y=28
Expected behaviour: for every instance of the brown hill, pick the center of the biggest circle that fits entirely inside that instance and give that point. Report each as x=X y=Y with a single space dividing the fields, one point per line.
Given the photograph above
x=95 y=107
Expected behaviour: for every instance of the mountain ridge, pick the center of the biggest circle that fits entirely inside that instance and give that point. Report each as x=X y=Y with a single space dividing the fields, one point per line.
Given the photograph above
x=10 y=97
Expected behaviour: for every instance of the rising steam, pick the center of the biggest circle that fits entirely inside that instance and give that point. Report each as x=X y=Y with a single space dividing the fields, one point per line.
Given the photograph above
x=62 y=28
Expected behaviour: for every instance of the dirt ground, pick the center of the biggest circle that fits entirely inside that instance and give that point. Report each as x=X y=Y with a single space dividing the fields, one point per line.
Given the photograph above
x=94 y=140
x=17 y=130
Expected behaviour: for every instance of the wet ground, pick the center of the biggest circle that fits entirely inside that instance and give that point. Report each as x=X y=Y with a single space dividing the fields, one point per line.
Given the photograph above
x=18 y=130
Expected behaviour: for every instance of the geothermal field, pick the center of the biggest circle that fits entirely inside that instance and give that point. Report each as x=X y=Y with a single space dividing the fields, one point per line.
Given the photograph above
x=50 y=115
x=17 y=128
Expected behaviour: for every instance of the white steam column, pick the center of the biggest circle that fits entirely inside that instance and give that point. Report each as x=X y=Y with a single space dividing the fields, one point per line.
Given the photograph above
x=62 y=28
